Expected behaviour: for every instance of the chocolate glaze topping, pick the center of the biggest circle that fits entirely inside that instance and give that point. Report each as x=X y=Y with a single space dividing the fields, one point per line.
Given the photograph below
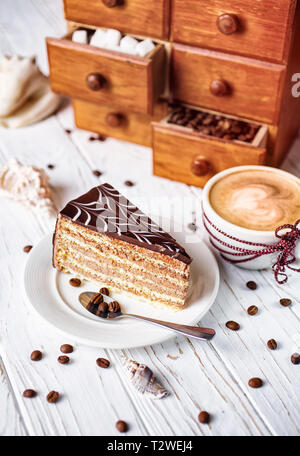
x=105 y=210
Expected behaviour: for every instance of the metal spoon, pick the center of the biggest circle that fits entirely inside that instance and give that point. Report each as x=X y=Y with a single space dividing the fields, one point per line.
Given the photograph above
x=190 y=331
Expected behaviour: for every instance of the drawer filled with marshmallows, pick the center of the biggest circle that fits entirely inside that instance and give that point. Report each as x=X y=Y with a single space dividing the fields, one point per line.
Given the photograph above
x=226 y=66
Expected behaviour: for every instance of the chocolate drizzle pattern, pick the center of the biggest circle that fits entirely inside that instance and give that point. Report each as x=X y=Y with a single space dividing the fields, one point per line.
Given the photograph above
x=103 y=209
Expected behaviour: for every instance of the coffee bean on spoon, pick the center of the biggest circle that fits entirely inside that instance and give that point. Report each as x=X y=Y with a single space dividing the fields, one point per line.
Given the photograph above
x=114 y=307
x=233 y=325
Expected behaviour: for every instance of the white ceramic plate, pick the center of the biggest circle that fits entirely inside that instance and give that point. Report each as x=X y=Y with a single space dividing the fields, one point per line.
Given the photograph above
x=48 y=292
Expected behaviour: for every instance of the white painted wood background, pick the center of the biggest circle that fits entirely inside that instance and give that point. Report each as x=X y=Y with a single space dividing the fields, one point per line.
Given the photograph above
x=212 y=377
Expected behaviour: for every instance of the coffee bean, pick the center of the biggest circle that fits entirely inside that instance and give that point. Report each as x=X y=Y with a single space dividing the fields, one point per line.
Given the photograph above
x=29 y=393
x=27 y=248
x=66 y=348
x=295 y=358
x=53 y=396
x=36 y=355
x=104 y=291
x=204 y=417
x=233 y=325
x=252 y=310
x=75 y=282
x=272 y=344
x=102 y=362
x=68 y=131
x=251 y=285
x=192 y=226
x=285 y=302
x=114 y=307
x=101 y=138
x=97 y=173
x=50 y=166
x=102 y=309
x=63 y=359
x=122 y=426
x=255 y=382
x=92 y=138
x=129 y=183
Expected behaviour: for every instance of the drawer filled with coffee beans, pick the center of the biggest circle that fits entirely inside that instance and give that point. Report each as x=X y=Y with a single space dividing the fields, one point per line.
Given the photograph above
x=191 y=145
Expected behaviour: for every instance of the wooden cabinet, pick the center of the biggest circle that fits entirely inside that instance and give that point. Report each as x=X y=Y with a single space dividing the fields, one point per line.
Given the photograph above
x=256 y=28
x=230 y=84
x=139 y=17
x=105 y=76
x=234 y=57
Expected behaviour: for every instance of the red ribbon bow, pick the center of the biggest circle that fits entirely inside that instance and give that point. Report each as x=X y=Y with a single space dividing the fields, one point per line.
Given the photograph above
x=286 y=248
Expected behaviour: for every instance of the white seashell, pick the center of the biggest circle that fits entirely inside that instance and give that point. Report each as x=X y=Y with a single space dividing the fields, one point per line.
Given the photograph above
x=143 y=380
x=25 y=95
x=27 y=185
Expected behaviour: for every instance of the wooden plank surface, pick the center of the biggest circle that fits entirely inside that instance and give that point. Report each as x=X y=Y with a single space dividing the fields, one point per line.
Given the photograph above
x=200 y=376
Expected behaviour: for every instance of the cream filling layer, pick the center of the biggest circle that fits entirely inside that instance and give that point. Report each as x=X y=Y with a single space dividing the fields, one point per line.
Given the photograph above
x=119 y=261
x=102 y=240
x=122 y=283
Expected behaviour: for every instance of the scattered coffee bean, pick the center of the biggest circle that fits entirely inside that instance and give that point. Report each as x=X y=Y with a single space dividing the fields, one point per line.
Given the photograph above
x=66 y=348
x=27 y=248
x=50 y=166
x=97 y=173
x=255 y=382
x=295 y=358
x=97 y=138
x=272 y=344
x=53 y=396
x=75 y=282
x=233 y=325
x=29 y=393
x=192 y=226
x=122 y=426
x=114 y=307
x=252 y=310
x=36 y=355
x=129 y=183
x=104 y=291
x=68 y=131
x=204 y=417
x=63 y=359
x=285 y=302
x=251 y=285
x=102 y=362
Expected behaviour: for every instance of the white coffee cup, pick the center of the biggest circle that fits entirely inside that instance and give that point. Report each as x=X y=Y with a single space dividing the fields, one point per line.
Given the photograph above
x=222 y=232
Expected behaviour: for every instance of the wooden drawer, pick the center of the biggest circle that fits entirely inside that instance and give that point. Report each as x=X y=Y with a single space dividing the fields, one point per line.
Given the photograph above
x=256 y=28
x=181 y=154
x=120 y=124
x=140 y=17
x=129 y=81
x=235 y=85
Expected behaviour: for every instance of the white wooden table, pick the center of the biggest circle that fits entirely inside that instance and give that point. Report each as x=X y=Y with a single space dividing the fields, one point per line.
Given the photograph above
x=200 y=376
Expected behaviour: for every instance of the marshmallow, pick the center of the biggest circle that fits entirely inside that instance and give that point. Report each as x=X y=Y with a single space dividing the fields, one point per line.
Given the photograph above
x=144 y=47
x=128 y=44
x=80 y=36
x=113 y=38
x=99 y=38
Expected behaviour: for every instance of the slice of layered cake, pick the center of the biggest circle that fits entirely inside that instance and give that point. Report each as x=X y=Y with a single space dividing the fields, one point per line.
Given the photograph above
x=104 y=238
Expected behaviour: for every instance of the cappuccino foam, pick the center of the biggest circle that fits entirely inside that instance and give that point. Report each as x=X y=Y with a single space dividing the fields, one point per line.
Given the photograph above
x=256 y=199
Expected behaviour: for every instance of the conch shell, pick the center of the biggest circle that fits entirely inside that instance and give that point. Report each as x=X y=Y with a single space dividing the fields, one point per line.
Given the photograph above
x=25 y=94
x=143 y=380
x=28 y=185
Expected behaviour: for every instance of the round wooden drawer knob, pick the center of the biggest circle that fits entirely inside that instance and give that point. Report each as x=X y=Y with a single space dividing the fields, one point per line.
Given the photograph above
x=95 y=81
x=219 y=88
x=114 y=120
x=227 y=23
x=112 y=3
x=200 y=166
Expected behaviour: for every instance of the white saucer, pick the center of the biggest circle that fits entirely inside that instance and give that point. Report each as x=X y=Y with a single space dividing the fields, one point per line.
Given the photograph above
x=49 y=293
